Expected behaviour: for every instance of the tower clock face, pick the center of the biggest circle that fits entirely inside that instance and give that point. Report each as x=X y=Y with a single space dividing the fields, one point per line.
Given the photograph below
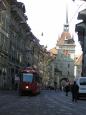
x=66 y=52
x=66 y=29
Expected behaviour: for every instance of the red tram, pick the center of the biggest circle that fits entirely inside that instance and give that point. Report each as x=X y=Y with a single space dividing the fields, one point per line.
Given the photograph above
x=30 y=81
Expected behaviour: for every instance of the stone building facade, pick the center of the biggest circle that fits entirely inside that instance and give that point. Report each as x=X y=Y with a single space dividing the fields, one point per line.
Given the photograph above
x=78 y=66
x=4 y=42
x=18 y=45
x=81 y=31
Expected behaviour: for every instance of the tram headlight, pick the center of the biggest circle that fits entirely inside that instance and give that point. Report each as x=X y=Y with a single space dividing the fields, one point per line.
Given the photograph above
x=26 y=87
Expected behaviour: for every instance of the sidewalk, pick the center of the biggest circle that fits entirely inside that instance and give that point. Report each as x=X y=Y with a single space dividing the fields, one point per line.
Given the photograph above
x=8 y=92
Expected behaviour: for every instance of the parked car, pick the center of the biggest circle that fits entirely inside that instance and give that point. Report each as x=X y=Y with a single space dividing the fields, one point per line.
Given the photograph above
x=81 y=82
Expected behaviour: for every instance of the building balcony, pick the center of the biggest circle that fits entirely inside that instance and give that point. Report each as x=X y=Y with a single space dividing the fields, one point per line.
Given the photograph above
x=18 y=14
x=82 y=15
x=25 y=26
x=80 y=27
x=14 y=24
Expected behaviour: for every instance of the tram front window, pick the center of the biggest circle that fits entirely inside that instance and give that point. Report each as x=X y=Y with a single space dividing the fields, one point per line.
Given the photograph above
x=27 y=77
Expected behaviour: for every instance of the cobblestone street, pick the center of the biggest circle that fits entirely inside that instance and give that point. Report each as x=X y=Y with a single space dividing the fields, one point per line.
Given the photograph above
x=47 y=103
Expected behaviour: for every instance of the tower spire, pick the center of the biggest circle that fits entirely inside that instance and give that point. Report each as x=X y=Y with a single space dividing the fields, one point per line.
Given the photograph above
x=66 y=25
x=66 y=14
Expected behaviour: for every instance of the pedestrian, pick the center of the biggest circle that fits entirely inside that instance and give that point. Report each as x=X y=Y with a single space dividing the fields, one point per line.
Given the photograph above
x=74 y=90
x=67 y=88
x=55 y=85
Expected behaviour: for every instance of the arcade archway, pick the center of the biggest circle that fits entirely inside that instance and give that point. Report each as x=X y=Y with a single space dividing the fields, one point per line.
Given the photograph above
x=63 y=82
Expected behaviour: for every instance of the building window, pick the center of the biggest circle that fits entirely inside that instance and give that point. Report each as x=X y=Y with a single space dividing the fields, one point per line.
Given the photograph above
x=68 y=65
x=68 y=73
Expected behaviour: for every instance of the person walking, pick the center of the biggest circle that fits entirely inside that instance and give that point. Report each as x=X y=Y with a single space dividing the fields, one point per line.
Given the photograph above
x=67 y=88
x=74 y=90
x=55 y=85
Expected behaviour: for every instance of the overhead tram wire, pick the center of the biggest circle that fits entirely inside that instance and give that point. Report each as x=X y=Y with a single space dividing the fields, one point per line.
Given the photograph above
x=76 y=12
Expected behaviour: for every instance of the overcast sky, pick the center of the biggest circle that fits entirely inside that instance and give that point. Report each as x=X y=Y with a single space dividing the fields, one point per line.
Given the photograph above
x=48 y=16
